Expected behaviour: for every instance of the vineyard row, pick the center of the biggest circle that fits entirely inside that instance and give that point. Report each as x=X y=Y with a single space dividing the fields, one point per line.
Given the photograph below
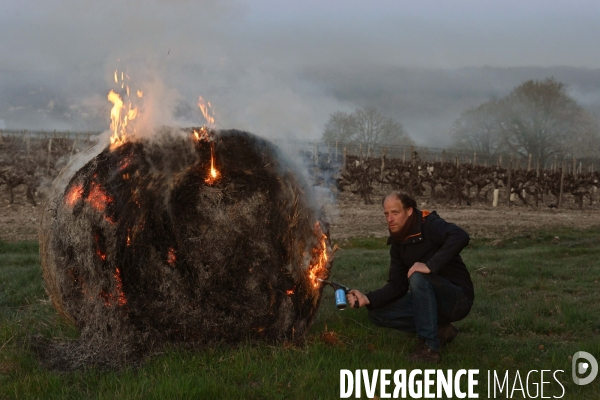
x=33 y=159
x=461 y=183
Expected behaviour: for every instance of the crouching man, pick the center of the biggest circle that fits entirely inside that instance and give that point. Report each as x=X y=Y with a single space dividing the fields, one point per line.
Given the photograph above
x=429 y=286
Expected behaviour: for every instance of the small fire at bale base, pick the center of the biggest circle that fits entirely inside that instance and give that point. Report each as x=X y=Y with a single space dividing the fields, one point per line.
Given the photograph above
x=198 y=238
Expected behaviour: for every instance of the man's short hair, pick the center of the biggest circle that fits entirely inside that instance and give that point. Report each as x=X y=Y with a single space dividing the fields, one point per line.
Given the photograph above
x=406 y=200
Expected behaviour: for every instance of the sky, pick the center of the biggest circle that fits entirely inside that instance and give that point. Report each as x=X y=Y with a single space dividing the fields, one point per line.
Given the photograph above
x=257 y=61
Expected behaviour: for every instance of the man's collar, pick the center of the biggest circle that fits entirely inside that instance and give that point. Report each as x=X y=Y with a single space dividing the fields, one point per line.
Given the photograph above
x=415 y=234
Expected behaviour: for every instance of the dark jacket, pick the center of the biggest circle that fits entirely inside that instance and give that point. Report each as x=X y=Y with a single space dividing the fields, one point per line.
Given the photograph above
x=432 y=241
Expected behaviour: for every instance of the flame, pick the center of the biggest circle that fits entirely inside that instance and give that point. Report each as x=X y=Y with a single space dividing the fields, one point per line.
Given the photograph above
x=122 y=113
x=289 y=292
x=206 y=109
x=101 y=255
x=121 y=300
x=106 y=297
x=99 y=251
x=97 y=198
x=74 y=195
x=213 y=173
x=319 y=257
x=115 y=118
x=202 y=135
x=171 y=258
x=119 y=296
x=124 y=163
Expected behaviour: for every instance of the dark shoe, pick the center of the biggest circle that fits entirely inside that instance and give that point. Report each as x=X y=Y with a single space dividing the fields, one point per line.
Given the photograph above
x=420 y=345
x=447 y=333
x=425 y=354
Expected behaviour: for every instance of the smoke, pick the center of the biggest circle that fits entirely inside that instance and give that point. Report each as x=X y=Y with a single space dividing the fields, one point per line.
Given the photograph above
x=57 y=187
x=278 y=70
x=175 y=50
x=144 y=90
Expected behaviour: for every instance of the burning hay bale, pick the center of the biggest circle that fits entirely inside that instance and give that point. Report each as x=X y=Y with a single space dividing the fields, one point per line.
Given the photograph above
x=203 y=238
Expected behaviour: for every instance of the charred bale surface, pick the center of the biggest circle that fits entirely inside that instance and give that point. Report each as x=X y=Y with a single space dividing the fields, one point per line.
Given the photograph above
x=143 y=246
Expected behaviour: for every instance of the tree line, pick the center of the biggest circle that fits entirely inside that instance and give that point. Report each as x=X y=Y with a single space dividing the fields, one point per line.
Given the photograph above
x=536 y=119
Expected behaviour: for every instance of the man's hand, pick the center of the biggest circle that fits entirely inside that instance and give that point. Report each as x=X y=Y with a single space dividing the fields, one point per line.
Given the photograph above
x=355 y=295
x=418 y=267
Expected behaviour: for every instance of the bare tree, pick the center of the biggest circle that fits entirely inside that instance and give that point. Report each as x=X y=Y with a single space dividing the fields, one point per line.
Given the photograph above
x=338 y=128
x=585 y=138
x=478 y=130
x=536 y=118
x=539 y=118
x=366 y=126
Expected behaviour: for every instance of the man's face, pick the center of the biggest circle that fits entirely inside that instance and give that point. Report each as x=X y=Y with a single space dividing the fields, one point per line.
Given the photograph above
x=395 y=213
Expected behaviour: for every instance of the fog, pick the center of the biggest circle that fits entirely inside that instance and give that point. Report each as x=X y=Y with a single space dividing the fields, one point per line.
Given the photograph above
x=280 y=69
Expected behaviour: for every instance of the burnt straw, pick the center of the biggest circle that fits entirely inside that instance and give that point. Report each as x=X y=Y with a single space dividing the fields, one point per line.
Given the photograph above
x=142 y=249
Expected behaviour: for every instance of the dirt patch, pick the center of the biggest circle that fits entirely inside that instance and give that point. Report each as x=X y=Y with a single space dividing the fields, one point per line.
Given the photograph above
x=351 y=218
x=20 y=220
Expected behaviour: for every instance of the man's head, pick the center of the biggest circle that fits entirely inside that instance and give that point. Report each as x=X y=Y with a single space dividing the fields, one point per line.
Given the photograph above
x=397 y=208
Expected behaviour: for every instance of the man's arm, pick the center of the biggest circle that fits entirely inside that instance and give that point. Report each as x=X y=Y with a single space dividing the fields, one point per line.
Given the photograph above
x=418 y=267
x=452 y=240
x=396 y=287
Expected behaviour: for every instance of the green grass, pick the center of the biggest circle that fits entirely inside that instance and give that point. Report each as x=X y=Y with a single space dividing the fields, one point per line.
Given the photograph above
x=537 y=303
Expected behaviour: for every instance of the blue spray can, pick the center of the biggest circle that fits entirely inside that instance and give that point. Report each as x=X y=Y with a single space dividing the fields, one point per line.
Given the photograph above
x=340 y=298
x=340 y=294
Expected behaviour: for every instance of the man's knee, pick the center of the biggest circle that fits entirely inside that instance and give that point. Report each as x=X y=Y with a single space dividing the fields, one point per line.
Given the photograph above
x=419 y=281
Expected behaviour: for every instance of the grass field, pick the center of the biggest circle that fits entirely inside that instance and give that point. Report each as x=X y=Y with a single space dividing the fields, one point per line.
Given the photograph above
x=537 y=303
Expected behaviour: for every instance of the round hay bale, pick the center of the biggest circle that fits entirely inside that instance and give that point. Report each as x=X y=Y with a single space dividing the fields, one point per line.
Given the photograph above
x=143 y=245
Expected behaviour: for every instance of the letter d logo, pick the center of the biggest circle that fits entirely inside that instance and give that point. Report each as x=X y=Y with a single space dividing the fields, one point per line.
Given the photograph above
x=591 y=365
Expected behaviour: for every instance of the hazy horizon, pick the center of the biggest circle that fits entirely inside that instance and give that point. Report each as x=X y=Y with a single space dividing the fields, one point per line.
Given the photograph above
x=280 y=70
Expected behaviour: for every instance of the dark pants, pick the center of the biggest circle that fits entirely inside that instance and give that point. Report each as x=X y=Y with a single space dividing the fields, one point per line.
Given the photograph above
x=431 y=300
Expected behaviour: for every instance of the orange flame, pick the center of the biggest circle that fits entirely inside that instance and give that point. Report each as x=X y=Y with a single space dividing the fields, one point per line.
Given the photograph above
x=74 y=195
x=124 y=163
x=115 y=117
x=171 y=258
x=101 y=255
x=121 y=300
x=202 y=135
x=97 y=198
x=106 y=297
x=214 y=175
x=119 y=296
x=206 y=109
x=120 y=114
x=319 y=260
